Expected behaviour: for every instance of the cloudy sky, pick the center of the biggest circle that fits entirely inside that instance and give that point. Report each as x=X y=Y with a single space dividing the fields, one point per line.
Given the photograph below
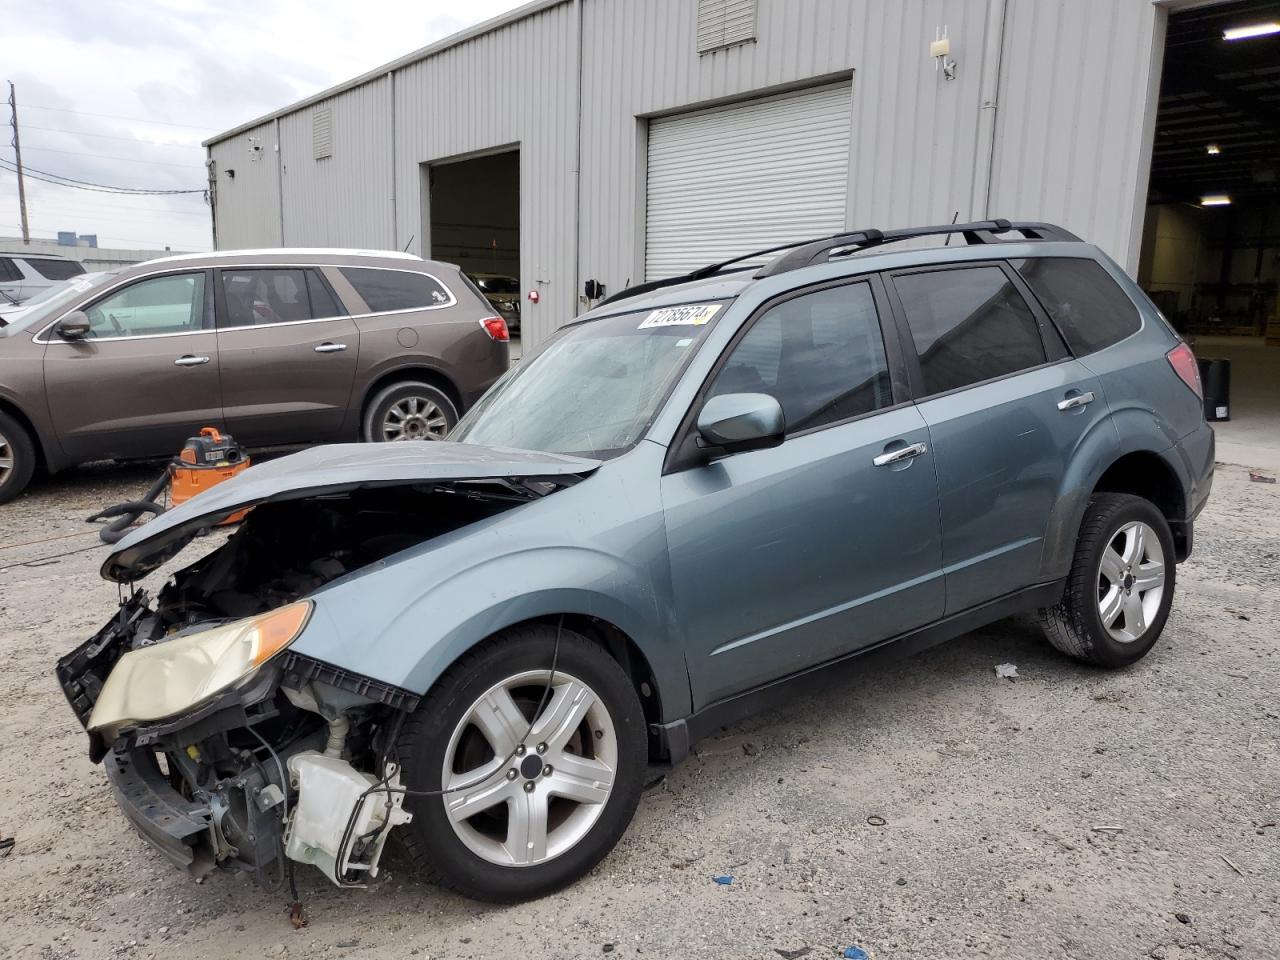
x=121 y=93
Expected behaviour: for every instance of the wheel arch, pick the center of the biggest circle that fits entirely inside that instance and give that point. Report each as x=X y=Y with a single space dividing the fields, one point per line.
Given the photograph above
x=43 y=460
x=409 y=374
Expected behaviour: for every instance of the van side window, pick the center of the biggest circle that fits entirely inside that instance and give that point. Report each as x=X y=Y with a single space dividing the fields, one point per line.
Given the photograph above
x=55 y=269
x=388 y=290
x=968 y=325
x=820 y=354
x=1089 y=307
x=8 y=272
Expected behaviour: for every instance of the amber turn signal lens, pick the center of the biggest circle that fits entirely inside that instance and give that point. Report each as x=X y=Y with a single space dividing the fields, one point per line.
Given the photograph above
x=277 y=629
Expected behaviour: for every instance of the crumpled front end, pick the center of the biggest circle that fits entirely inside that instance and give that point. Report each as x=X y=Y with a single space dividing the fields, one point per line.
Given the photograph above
x=224 y=744
x=236 y=780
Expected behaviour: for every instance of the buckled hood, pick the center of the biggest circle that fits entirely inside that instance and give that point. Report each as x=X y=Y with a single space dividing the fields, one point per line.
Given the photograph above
x=334 y=469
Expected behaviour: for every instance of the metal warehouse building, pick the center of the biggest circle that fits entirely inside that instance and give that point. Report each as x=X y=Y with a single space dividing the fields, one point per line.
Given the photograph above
x=619 y=140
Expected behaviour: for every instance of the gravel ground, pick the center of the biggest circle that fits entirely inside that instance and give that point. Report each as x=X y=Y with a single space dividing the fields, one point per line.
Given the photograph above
x=991 y=792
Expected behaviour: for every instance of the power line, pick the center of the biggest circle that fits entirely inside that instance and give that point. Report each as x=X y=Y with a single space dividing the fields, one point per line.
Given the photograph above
x=62 y=181
x=107 y=136
x=114 y=116
x=103 y=156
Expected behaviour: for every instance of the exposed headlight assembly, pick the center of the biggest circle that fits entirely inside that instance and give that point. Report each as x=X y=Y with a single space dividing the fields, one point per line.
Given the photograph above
x=156 y=682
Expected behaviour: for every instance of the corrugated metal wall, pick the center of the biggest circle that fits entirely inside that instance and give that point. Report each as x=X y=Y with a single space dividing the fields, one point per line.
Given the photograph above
x=1078 y=80
x=1075 y=78
x=247 y=205
x=512 y=86
x=344 y=199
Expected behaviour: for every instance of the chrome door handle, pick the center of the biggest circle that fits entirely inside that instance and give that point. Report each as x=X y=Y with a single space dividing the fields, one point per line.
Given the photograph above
x=190 y=361
x=331 y=348
x=1079 y=400
x=902 y=453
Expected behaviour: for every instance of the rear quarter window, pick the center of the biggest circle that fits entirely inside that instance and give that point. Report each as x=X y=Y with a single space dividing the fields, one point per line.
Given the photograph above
x=388 y=290
x=56 y=269
x=1089 y=307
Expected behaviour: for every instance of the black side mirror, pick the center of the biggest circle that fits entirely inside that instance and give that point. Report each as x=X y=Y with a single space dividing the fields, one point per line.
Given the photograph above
x=74 y=326
x=742 y=421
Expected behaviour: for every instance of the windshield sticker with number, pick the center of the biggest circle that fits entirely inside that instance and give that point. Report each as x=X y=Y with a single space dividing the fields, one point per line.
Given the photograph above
x=693 y=315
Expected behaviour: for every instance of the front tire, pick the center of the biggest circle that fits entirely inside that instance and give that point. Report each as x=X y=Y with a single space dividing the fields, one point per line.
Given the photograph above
x=17 y=458
x=1121 y=584
x=409 y=410
x=523 y=828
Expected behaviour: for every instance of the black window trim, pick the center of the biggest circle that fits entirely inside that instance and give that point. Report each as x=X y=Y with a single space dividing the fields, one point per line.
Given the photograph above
x=684 y=452
x=12 y=274
x=1055 y=346
x=223 y=324
x=207 y=322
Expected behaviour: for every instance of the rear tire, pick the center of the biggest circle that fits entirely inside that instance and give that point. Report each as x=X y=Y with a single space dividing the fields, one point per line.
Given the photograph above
x=408 y=410
x=17 y=458
x=1121 y=584
x=576 y=783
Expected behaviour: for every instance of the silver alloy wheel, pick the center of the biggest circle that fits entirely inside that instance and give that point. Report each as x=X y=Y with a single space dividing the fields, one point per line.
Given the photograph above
x=415 y=418
x=6 y=458
x=1131 y=581
x=553 y=788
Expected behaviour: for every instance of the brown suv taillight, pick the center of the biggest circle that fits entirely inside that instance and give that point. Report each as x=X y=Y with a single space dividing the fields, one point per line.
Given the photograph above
x=1184 y=365
x=496 y=328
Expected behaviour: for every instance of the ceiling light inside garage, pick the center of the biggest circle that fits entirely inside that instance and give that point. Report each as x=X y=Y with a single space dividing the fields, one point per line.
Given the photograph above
x=1253 y=30
x=1215 y=200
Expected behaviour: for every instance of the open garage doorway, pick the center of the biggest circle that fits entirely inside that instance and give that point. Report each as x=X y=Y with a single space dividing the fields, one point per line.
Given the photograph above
x=475 y=222
x=1211 y=241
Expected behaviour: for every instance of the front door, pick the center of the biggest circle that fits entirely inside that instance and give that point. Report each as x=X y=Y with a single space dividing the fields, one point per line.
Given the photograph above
x=787 y=557
x=1006 y=407
x=288 y=353
x=146 y=376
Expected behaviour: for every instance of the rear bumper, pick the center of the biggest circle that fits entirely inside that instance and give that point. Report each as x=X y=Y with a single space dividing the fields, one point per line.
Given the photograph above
x=180 y=829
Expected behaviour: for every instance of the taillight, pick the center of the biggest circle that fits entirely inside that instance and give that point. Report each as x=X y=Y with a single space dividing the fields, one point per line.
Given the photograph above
x=496 y=328
x=1184 y=365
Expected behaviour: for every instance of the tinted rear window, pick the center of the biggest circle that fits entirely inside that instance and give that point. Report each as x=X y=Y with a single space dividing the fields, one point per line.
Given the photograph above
x=56 y=269
x=8 y=272
x=386 y=290
x=968 y=325
x=1085 y=302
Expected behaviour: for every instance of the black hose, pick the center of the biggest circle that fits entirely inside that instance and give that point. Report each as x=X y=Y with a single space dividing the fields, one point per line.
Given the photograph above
x=124 y=515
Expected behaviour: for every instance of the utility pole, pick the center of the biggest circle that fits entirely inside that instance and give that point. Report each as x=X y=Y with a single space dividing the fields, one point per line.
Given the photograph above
x=17 y=155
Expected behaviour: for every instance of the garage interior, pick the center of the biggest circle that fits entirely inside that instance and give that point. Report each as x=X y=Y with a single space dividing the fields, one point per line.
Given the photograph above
x=1210 y=255
x=473 y=211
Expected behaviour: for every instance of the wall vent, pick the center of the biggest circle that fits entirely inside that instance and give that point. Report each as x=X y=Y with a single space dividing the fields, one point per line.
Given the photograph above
x=725 y=23
x=322 y=133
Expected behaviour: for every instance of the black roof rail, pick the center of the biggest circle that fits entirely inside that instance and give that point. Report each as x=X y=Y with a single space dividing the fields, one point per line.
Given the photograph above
x=701 y=273
x=981 y=231
x=805 y=253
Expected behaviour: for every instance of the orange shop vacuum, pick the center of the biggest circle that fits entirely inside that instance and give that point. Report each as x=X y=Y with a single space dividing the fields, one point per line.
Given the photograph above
x=205 y=461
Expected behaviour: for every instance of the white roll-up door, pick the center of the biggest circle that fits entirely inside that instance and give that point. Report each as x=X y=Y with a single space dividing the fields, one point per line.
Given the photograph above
x=733 y=179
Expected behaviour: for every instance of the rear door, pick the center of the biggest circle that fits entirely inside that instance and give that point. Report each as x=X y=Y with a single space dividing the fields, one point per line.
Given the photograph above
x=288 y=354
x=1006 y=407
x=787 y=557
x=145 y=378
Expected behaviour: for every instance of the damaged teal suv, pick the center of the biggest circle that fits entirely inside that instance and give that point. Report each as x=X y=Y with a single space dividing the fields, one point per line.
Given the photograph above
x=687 y=502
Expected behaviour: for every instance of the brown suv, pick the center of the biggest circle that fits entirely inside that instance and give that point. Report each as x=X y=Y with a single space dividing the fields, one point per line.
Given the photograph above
x=274 y=346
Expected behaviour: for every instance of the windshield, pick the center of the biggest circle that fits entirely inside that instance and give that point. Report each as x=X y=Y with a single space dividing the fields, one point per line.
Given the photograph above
x=595 y=388
x=49 y=301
